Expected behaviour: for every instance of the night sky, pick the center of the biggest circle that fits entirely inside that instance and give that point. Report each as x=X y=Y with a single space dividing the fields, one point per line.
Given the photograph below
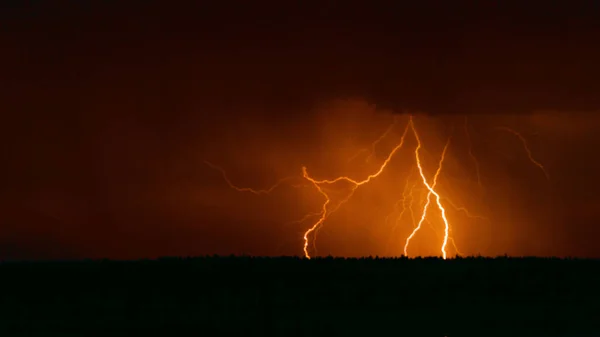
x=110 y=111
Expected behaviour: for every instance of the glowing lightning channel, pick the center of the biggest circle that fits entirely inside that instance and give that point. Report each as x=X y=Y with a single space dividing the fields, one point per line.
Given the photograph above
x=374 y=144
x=325 y=211
x=328 y=207
x=369 y=177
x=431 y=190
x=465 y=210
x=526 y=146
x=247 y=189
x=406 y=201
x=407 y=195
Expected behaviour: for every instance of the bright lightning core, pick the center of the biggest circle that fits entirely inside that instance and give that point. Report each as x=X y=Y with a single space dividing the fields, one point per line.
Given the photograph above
x=420 y=206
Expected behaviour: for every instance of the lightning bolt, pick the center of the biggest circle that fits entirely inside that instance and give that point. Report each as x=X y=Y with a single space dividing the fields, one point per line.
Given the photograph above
x=410 y=199
x=431 y=189
x=464 y=210
x=526 y=147
x=406 y=201
x=330 y=206
x=325 y=210
x=248 y=189
x=372 y=149
x=357 y=183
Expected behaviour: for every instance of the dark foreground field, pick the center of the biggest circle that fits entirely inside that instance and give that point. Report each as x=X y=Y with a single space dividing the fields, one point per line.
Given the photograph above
x=296 y=297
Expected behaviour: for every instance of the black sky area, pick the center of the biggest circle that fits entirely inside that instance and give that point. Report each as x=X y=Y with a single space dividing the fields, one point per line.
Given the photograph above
x=110 y=107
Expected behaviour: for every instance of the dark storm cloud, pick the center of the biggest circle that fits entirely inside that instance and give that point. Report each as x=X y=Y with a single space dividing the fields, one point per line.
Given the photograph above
x=432 y=56
x=110 y=108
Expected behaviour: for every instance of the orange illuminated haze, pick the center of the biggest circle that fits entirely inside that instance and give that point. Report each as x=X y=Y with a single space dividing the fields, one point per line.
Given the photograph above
x=424 y=214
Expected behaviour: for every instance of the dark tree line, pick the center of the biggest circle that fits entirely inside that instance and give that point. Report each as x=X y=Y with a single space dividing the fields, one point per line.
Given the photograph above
x=294 y=296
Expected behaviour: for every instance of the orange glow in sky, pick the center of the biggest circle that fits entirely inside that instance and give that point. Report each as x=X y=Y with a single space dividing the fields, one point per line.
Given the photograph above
x=427 y=196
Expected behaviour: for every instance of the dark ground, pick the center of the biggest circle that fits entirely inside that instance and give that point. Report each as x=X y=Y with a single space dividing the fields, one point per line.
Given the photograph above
x=244 y=296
